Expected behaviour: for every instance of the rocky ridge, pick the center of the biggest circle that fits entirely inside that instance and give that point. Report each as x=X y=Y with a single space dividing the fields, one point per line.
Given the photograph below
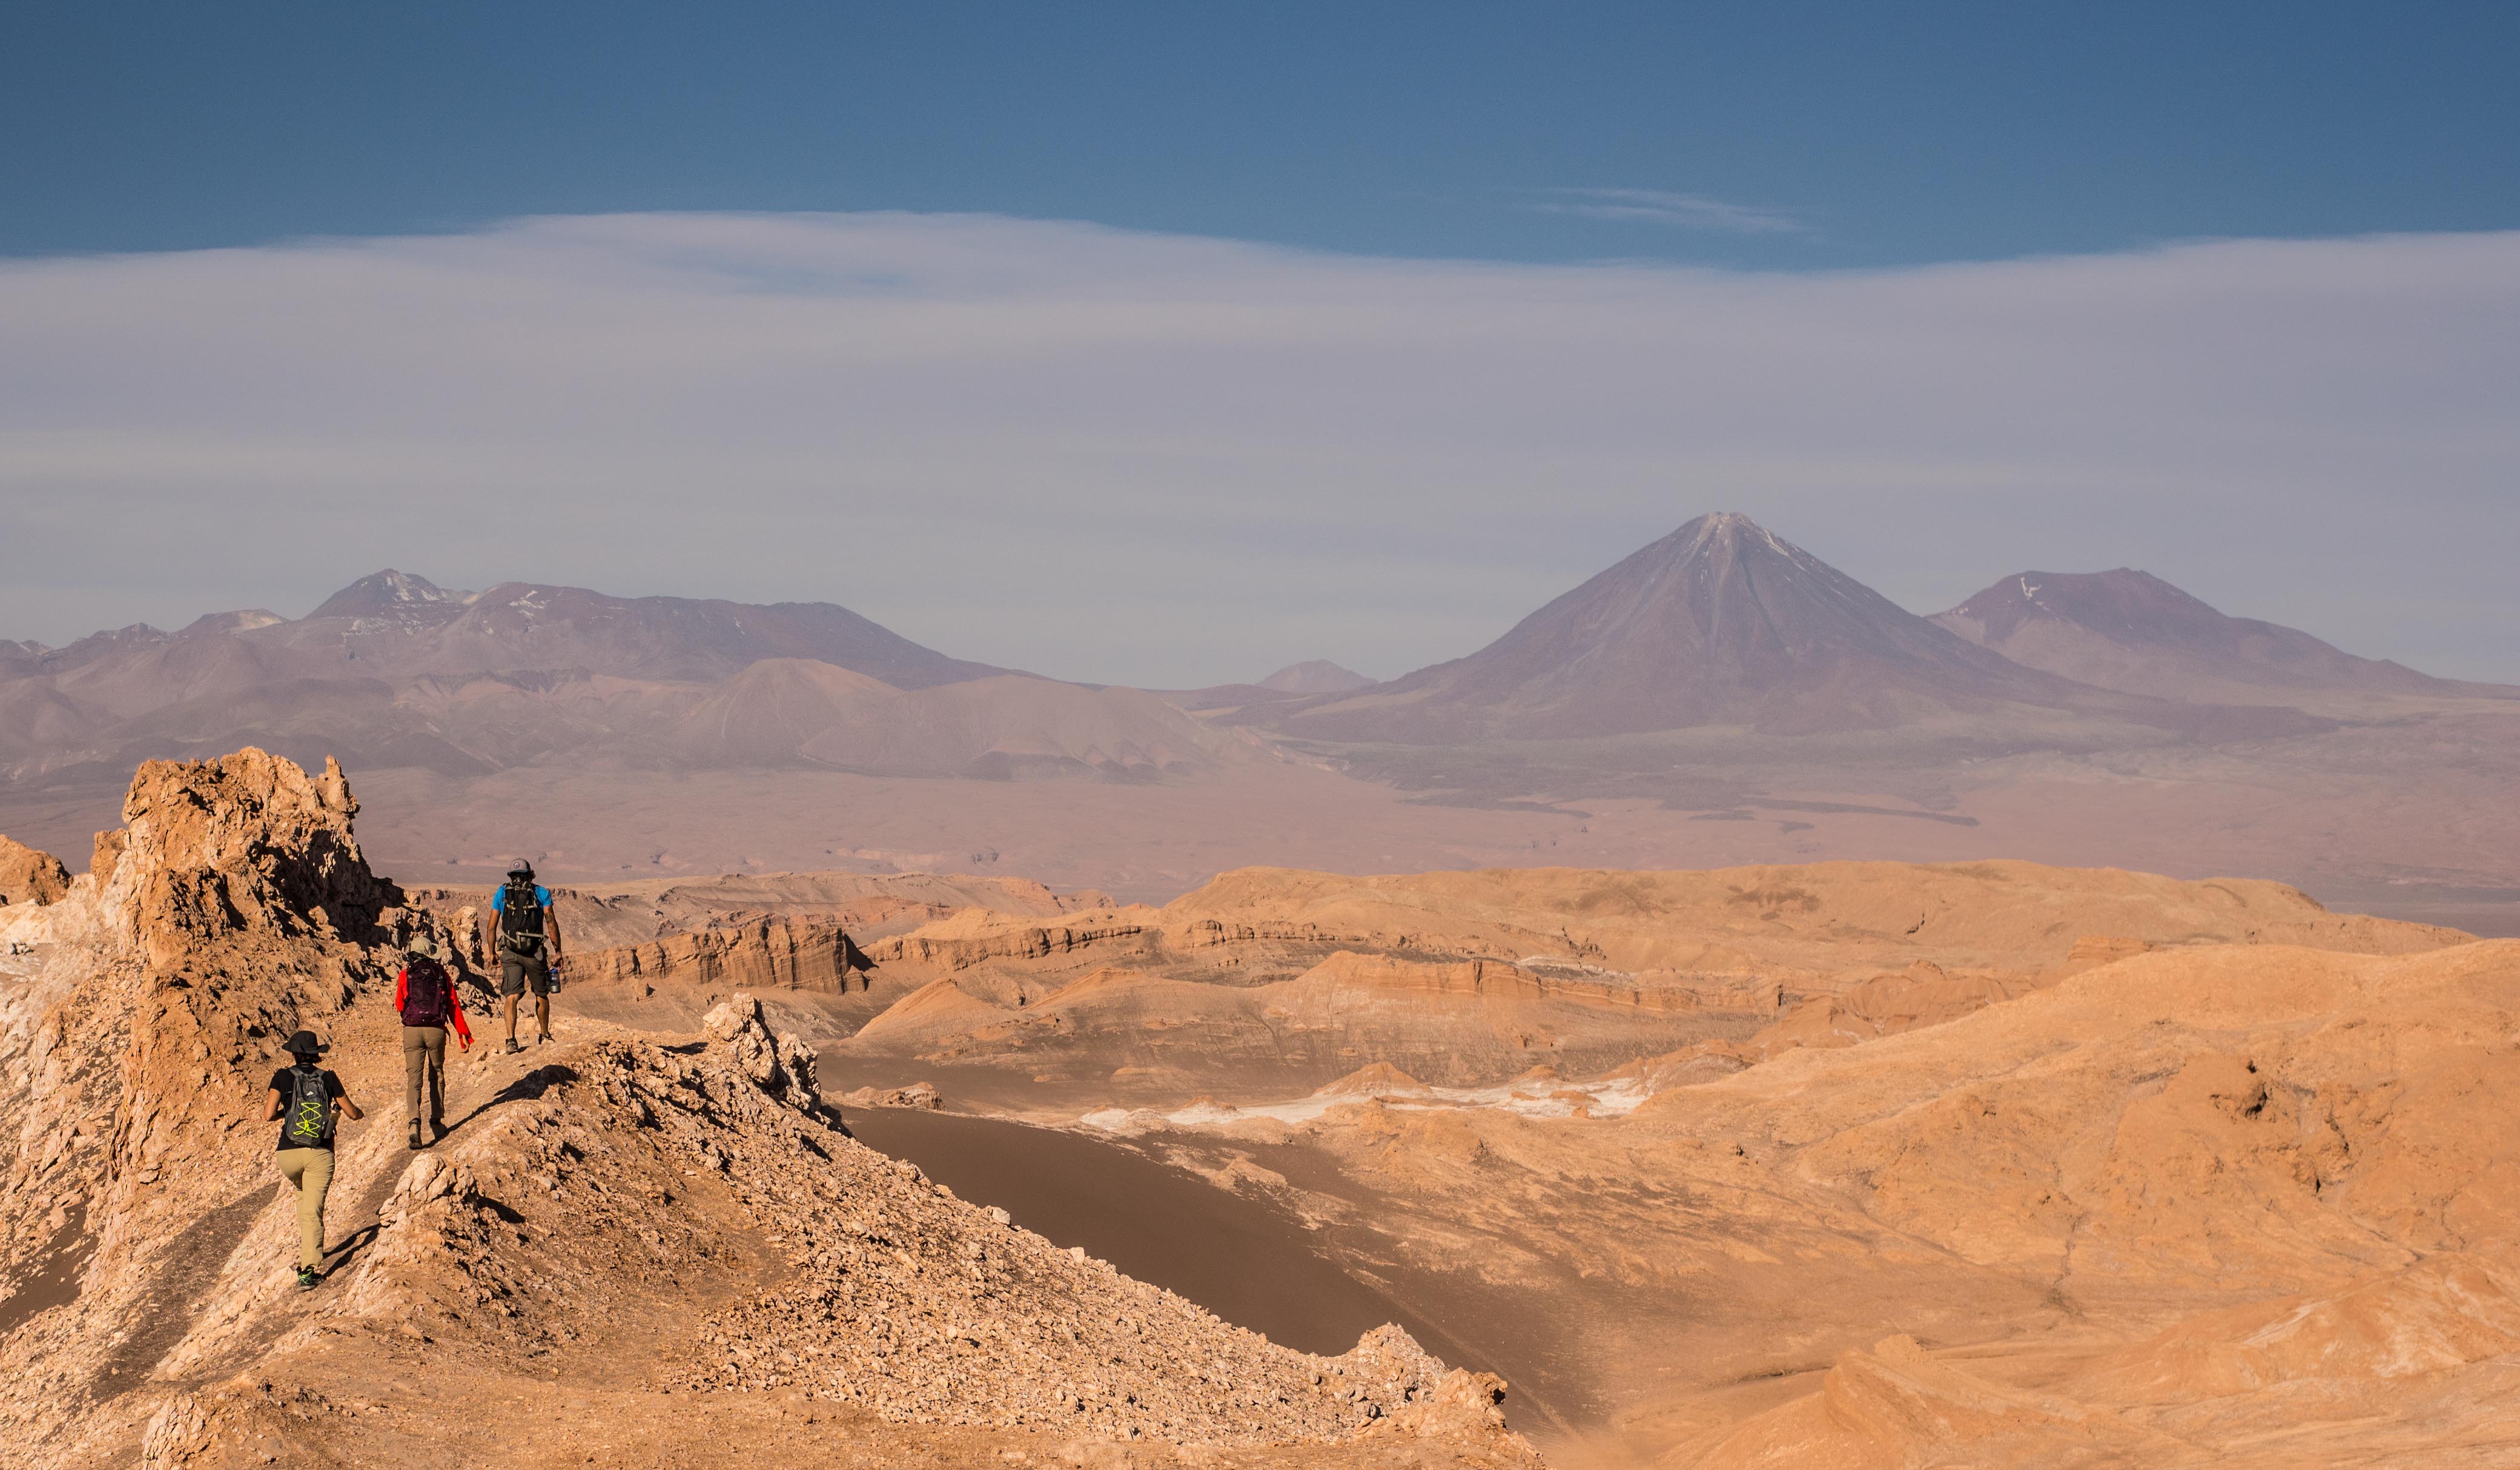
x=2207 y=1205
x=139 y=1015
x=657 y=1219
x=884 y=1291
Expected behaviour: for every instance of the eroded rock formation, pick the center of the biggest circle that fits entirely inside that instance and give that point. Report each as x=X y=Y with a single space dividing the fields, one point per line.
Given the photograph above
x=28 y=876
x=664 y=1222
x=138 y=1026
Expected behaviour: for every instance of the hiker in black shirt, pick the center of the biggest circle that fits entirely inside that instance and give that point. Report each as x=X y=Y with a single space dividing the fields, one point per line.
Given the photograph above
x=303 y=1098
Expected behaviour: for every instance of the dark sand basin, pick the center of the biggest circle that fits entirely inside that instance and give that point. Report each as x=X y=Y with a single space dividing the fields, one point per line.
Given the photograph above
x=1242 y=1256
x=1247 y=1260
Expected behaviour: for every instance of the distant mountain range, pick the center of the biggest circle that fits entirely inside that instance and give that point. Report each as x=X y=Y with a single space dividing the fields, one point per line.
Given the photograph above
x=394 y=671
x=1718 y=623
x=1724 y=625
x=1720 y=626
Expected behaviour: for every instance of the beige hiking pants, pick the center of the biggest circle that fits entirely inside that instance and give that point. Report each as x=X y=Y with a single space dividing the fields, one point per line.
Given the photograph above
x=423 y=1061
x=311 y=1171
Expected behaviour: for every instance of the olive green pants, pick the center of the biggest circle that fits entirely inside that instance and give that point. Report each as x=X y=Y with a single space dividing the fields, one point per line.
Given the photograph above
x=311 y=1171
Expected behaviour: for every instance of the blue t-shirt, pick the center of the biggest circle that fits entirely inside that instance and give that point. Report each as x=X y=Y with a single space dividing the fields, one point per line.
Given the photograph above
x=499 y=900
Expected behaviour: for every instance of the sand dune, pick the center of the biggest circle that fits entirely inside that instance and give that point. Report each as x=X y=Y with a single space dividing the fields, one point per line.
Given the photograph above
x=2217 y=1204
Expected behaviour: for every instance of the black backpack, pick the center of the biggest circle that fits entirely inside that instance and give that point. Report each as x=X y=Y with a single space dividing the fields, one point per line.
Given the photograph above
x=424 y=992
x=520 y=922
x=308 y=1123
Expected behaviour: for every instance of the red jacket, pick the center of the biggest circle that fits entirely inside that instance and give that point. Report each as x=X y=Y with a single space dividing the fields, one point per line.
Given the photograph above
x=454 y=1002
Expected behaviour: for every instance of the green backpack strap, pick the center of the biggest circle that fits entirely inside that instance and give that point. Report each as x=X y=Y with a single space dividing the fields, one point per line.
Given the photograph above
x=310 y=1112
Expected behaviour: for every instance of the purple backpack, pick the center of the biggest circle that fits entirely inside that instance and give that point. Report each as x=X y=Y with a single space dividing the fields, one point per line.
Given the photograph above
x=424 y=992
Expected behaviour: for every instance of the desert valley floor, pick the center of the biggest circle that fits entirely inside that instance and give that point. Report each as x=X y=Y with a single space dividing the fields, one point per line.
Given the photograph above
x=1823 y=1164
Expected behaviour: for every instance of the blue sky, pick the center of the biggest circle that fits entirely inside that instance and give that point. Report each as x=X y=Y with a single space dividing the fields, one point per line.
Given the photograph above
x=1770 y=136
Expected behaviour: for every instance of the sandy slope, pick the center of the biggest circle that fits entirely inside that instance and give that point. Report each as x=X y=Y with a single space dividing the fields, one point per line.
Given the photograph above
x=2220 y=1205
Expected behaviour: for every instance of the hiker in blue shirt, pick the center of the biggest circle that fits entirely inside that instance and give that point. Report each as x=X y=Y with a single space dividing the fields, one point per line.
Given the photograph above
x=524 y=935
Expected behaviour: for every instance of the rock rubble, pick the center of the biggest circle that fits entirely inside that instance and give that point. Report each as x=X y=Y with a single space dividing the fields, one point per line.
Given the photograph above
x=892 y=1295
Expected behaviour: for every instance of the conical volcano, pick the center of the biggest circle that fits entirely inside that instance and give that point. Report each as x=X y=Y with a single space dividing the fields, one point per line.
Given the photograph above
x=1721 y=623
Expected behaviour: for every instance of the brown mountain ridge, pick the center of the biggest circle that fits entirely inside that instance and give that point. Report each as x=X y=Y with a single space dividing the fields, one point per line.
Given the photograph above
x=2130 y=630
x=394 y=671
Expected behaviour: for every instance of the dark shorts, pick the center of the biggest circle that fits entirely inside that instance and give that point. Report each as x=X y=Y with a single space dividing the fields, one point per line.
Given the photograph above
x=518 y=974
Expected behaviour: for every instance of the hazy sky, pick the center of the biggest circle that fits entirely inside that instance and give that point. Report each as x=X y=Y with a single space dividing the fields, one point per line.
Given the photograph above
x=1171 y=343
x=1172 y=461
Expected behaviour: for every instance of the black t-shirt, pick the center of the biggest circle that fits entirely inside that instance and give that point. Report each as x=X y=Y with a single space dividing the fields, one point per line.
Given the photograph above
x=287 y=1092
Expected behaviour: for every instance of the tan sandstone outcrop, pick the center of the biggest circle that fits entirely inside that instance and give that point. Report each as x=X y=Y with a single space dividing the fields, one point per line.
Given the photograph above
x=1809 y=918
x=1469 y=978
x=138 y=1033
x=28 y=876
x=765 y=954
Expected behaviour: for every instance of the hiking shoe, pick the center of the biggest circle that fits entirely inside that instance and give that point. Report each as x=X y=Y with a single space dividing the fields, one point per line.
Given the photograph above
x=415 y=1133
x=543 y=1039
x=437 y=1129
x=307 y=1280
x=511 y=1045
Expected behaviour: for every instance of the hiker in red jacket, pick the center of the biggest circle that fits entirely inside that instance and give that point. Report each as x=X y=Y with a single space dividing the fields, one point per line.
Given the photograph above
x=425 y=994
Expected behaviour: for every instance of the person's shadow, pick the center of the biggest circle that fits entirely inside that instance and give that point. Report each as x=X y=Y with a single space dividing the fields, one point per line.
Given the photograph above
x=525 y=1088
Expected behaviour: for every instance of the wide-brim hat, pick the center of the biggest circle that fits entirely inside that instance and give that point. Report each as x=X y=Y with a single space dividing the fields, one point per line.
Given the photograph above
x=426 y=947
x=303 y=1044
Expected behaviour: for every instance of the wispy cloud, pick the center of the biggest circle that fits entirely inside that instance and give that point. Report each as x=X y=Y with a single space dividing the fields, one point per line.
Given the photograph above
x=1147 y=458
x=1680 y=211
